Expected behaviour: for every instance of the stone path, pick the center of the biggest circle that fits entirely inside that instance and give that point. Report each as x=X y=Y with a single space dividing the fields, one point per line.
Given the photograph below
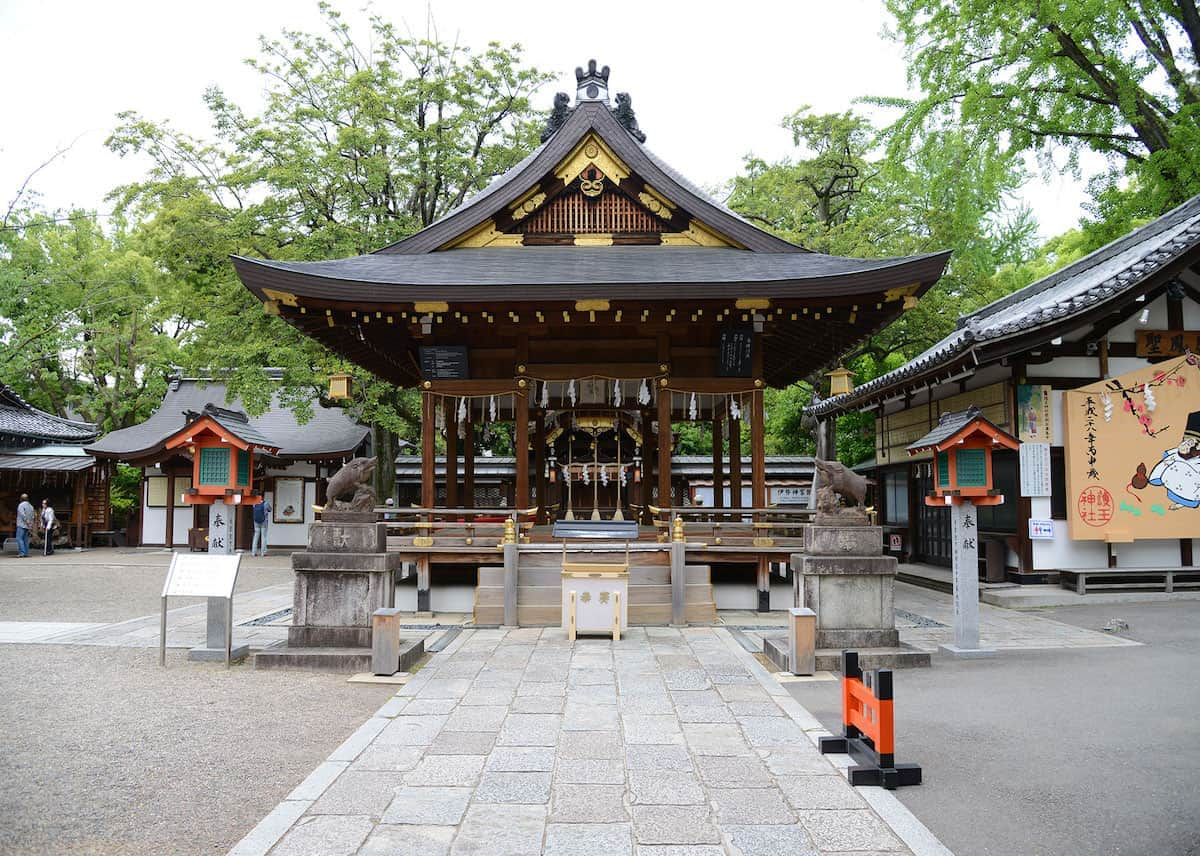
x=1003 y=629
x=667 y=743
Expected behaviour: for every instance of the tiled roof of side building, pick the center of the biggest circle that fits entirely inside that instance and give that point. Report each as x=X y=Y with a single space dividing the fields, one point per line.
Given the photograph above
x=1099 y=277
x=329 y=433
x=20 y=419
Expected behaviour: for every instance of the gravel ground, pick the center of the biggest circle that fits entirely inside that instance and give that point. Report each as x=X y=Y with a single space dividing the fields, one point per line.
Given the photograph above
x=107 y=585
x=102 y=751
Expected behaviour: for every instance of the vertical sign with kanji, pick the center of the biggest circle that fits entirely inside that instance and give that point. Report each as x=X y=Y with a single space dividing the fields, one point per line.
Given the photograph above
x=964 y=551
x=220 y=528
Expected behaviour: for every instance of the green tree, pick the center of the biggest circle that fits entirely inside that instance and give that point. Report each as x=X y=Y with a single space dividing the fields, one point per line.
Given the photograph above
x=1118 y=77
x=91 y=325
x=355 y=148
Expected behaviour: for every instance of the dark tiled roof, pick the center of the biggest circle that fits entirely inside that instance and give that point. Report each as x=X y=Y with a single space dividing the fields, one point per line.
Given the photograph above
x=948 y=425
x=396 y=276
x=1104 y=275
x=51 y=463
x=330 y=432
x=236 y=422
x=20 y=420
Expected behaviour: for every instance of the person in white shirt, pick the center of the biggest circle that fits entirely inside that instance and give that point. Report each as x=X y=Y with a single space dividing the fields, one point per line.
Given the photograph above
x=49 y=525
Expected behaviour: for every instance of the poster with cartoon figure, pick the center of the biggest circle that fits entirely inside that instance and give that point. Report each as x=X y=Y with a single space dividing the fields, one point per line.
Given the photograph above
x=1133 y=454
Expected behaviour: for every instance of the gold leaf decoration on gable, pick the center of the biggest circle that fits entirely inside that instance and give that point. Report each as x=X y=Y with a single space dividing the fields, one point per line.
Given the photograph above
x=656 y=204
x=524 y=207
x=698 y=235
x=592 y=151
x=486 y=235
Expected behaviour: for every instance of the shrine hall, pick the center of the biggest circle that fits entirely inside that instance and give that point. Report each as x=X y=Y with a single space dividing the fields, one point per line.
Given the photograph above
x=589 y=301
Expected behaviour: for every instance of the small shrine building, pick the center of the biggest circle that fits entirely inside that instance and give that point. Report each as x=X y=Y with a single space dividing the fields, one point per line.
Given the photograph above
x=591 y=298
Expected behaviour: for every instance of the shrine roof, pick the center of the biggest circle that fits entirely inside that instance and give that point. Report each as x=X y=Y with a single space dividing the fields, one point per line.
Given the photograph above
x=535 y=272
x=330 y=433
x=1099 y=282
x=21 y=422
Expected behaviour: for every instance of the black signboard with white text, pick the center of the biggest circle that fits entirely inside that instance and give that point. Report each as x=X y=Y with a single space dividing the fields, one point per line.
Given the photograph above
x=735 y=355
x=444 y=362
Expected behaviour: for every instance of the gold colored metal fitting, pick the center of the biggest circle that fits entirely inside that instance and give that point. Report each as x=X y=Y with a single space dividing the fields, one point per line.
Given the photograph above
x=427 y=384
x=521 y=369
x=677 y=530
x=758 y=382
x=510 y=531
x=663 y=383
x=522 y=383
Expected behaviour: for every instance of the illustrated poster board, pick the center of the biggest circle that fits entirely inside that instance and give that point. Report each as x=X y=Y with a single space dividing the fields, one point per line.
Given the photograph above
x=1133 y=466
x=1033 y=413
x=288 y=502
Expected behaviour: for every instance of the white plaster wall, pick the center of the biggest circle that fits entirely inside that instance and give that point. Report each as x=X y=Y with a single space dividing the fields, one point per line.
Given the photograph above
x=705 y=496
x=154 y=521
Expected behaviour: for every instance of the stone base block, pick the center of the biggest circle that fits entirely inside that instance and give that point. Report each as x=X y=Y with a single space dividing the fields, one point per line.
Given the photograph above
x=329 y=637
x=337 y=659
x=845 y=565
x=347 y=537
x=858 y=638
x=843 y=540
x=967 y=653
x=330 y=515
x=901 y=657
x=359 y=562
x=204 y=654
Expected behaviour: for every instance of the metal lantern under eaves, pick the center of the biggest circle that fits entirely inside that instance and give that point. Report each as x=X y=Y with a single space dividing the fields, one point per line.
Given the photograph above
x=340 y=386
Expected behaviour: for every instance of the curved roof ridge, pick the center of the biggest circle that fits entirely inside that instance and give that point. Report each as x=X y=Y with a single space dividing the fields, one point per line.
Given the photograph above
x=589 y=117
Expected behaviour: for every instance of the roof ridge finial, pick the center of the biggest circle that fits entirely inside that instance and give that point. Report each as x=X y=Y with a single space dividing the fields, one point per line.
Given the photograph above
x=591 y=85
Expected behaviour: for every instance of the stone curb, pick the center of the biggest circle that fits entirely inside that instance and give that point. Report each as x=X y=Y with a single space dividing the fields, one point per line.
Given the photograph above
x=915 y=835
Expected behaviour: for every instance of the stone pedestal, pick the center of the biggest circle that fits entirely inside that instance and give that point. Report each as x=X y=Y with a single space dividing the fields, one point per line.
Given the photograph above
x=220 y=529
x=341 y=580
x=213 y=649
x=845 y=579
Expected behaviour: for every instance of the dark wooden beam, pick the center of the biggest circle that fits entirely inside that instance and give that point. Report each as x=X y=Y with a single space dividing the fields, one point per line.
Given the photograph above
x=428 y=488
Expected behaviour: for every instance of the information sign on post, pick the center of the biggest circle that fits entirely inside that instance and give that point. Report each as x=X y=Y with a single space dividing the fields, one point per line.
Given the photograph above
x=1035 y=469
x=200 y=575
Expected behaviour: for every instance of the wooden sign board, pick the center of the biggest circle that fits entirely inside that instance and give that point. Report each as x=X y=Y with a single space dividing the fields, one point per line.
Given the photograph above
x=1167 y=343
x=444 y=362
x=735 y=355
x=1132 y=471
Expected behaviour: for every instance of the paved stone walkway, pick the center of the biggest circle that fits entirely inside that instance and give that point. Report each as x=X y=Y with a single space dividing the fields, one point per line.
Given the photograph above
x=667 y=743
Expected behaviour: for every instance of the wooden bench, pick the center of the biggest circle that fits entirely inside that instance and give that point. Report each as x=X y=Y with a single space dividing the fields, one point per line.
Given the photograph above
x=1158 y=579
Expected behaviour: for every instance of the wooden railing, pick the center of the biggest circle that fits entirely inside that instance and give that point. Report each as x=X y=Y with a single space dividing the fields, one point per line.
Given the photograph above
x=456 y=527
x=733 y=527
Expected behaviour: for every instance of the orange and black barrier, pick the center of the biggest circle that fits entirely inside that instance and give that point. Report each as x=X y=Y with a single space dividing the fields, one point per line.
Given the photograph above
x=868 y=728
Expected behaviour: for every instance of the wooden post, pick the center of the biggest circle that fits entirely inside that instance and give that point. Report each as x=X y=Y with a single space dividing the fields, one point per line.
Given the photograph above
x=758 y=455
x=169 y=535
x=469 y=459
x=521 y=446
x=451 y=459
x=718 y=474
x=647 y=482
x=539 y=463
x=428 y=488
x=735 y=463
x=664 y=448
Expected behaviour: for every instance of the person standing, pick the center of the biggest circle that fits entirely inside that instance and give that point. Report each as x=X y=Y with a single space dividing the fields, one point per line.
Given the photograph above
x=25 y=521
x=262 y=520
x=49 y=524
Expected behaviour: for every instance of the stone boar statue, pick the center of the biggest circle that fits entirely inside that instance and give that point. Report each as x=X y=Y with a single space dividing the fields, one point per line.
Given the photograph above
x=843 y=482
x=350 y=488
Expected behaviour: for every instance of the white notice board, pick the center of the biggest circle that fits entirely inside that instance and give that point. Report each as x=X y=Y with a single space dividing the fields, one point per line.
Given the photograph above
x=1035 y=469
x=202 y=575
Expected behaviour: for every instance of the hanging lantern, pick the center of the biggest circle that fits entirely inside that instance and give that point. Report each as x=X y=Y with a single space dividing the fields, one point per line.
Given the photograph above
x=840 y=381
x=340 y=386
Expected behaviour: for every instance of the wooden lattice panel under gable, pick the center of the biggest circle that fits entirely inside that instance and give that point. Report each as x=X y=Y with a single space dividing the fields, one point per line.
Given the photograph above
x=612 y=212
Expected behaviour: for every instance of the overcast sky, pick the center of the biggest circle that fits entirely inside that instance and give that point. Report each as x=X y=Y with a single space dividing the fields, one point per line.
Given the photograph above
x=708 y=87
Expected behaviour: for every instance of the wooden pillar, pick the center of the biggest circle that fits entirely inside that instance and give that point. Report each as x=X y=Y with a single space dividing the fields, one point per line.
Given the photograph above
x=718 y=474
x=647 y=482
x=539 y=463
x=451 y=459
x=428 y=487
x=469 y=459
x=664 y=448
x=735 y=463
x=521 y=447
x=169 y=535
